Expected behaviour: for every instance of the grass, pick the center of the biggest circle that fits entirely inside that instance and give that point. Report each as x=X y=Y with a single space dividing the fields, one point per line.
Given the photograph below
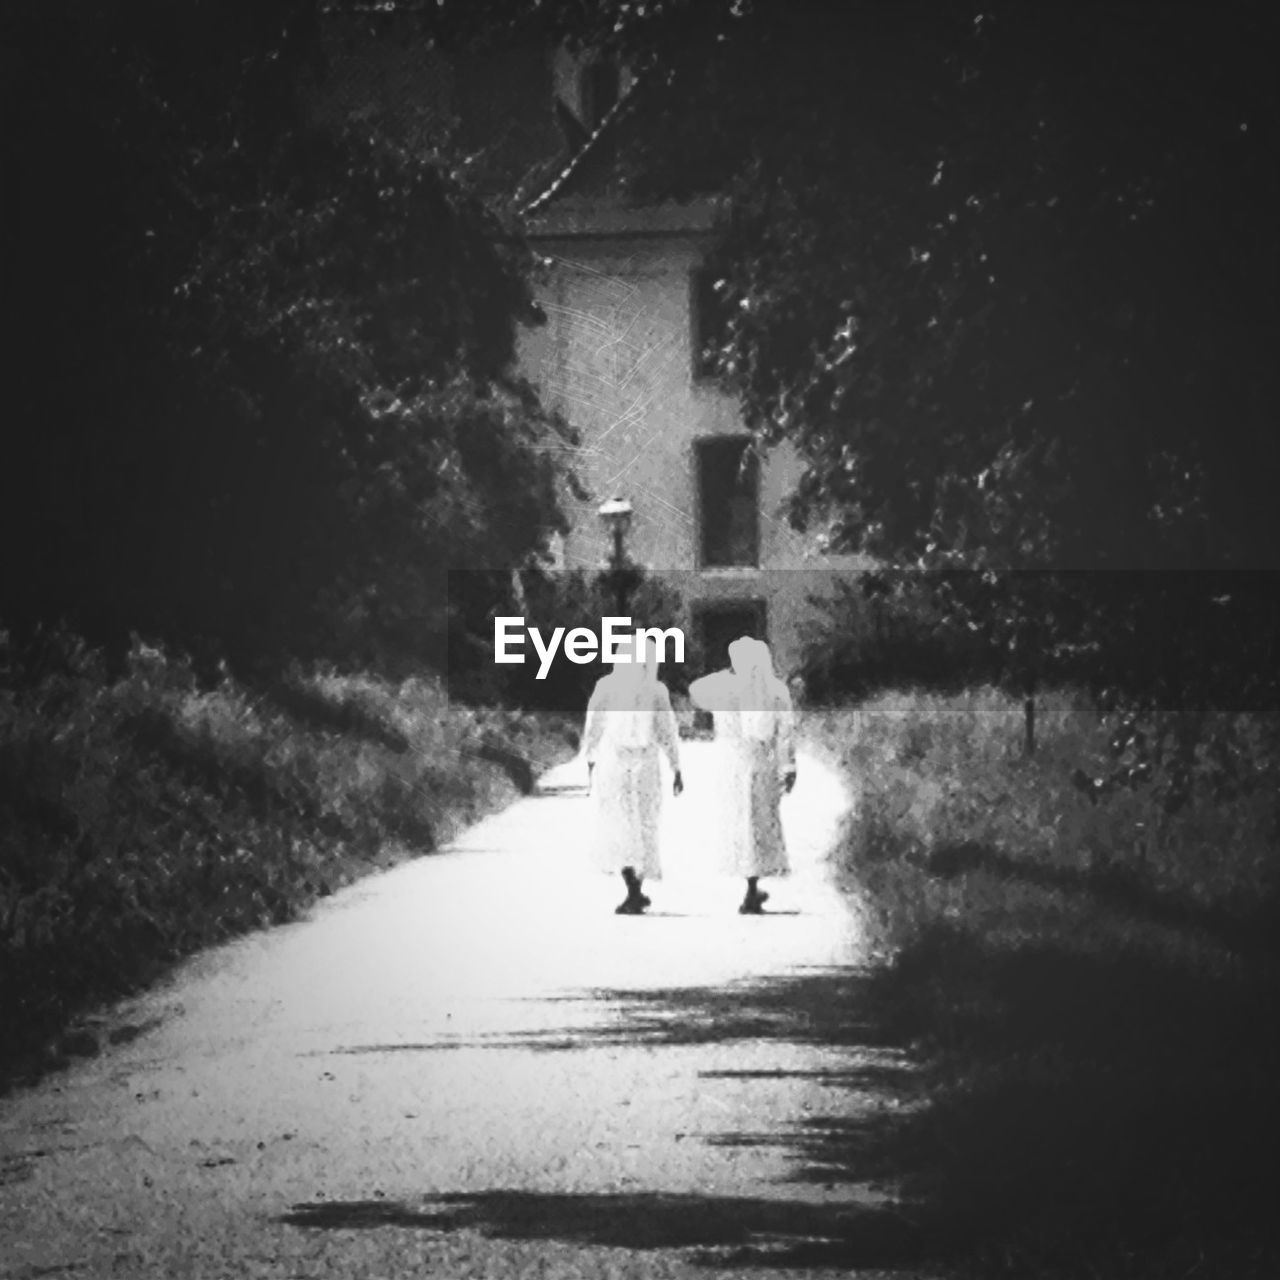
x=145 y=819
x=1090 y=989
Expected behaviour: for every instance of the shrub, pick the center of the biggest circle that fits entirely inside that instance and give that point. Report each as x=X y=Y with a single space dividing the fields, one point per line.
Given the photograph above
x=144 y=819
x=942 y=782
x=890 y=630
x=1084 y=980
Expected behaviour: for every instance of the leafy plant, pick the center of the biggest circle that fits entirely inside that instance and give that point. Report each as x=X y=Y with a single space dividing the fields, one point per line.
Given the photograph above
x=145 y=818
x=267 y=365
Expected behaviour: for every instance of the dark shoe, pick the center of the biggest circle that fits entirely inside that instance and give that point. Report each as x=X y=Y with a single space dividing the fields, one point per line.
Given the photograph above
x=633 y=906
x=753 y=904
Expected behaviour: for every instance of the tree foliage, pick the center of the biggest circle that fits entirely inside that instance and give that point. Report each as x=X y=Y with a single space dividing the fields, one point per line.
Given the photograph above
x=263 y=382
x=1005 y=275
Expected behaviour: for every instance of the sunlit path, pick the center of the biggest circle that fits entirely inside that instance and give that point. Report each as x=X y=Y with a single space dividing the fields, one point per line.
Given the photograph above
x=475 y=1024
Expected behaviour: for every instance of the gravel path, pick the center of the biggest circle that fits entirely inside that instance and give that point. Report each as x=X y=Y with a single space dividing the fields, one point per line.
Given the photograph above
x=469 y=1066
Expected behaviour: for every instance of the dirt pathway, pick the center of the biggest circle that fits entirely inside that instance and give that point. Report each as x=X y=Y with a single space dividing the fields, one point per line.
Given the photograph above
x=469 y=1066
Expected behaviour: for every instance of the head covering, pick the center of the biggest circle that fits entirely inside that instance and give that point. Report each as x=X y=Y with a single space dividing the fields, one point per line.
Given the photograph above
x=753 y=668
x=764 y=660
x=742 y=655
x=633 y=675
x=631 y=697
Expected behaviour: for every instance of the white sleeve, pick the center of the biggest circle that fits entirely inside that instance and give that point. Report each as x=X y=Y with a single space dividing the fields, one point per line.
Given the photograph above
x=668 y=729
x=786 y=730
x=714 y=692
x=593 y=729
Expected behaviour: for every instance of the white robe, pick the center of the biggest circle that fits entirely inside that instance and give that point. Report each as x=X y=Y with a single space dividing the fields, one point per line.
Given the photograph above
x=755 y=746
x=628 y=727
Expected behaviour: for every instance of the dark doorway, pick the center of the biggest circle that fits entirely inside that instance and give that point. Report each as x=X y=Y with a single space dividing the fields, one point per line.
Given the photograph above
x=715 y=628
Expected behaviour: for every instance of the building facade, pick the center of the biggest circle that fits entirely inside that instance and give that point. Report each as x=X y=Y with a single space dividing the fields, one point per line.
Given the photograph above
x=629 y=312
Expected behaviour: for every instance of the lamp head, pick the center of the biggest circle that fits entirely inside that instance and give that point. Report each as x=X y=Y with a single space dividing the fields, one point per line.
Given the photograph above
x=616 y=514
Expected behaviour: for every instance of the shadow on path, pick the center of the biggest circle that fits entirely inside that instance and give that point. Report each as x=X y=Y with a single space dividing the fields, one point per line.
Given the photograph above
x=724 y=1231
x=824 y=1008
x=995 y=1110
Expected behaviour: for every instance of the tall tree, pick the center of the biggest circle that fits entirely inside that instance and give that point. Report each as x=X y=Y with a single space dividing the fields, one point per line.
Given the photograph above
x=1003 y=273
x=263 y=381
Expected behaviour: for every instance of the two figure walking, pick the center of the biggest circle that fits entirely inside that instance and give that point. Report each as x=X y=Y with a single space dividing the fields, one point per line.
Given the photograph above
x=630 y=725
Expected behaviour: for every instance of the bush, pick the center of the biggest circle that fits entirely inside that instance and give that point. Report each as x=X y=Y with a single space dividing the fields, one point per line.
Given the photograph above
x=1085 y=980
x=144 y=819
x=943 y=784
x=890 y=630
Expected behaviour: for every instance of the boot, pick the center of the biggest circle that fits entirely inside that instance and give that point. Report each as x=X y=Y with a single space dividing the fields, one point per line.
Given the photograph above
x=635 y=901
x=753 y=903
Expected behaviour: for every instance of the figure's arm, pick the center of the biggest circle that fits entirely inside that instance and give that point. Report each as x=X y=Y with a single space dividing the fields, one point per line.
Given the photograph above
x=668 y=731
x=713 y=692
x=593 y=728
x=786 y=737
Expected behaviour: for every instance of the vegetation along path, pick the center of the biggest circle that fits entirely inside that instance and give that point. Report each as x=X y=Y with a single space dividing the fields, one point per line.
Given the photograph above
x=469 y=1065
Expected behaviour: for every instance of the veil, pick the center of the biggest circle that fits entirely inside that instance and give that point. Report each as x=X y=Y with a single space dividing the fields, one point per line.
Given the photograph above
x=631 y=699
x=753 y=665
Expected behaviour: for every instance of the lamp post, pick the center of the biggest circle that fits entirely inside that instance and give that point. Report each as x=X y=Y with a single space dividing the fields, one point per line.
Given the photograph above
x=623 y=575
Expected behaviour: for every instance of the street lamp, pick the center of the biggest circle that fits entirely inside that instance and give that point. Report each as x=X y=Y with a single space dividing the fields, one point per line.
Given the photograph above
x=616 y=514
x=623 y=575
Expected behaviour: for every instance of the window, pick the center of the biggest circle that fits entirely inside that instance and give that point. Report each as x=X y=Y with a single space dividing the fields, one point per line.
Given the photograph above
x=708 y=321
x=601 y=88
x=728 y=502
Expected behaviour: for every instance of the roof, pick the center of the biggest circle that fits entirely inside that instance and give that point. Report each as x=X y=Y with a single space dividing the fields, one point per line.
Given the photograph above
x=587 y=193
x=565 y=179
x=597 y=157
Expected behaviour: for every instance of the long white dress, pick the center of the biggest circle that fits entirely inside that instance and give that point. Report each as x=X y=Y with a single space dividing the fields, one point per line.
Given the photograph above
x=755 y=743
x=629 y=726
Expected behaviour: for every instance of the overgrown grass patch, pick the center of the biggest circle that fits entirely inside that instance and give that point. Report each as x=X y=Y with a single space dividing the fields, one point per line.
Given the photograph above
x=1092 y=990
x=142 y=820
